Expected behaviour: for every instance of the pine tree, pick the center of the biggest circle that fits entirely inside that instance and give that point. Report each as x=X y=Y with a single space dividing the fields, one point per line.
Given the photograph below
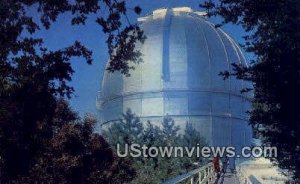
x=155 y=169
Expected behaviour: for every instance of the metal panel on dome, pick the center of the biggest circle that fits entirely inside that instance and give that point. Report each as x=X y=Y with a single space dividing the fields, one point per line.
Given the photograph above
x=221 y=127
x=171 y=105
x=199 y=103
x=204 y=125
x=152 y=107
x=198 y=56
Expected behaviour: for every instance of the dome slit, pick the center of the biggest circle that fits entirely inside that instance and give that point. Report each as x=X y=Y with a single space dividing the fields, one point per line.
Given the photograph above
x=166 y=45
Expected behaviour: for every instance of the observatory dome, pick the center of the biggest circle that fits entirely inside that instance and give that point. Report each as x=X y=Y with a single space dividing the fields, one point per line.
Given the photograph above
x=179 y=77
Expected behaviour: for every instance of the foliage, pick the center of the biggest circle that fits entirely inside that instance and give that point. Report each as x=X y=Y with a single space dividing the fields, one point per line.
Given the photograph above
x=75 y=154
x=32 y=78
x=70 y=153
x=272 y=28
x=130 y=130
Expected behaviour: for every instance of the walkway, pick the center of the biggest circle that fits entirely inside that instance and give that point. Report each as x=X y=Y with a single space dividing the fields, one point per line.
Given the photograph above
x=204 y=175
x=228 y=178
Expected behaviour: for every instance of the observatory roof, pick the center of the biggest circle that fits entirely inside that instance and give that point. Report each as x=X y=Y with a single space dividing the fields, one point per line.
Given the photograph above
x=183 y=51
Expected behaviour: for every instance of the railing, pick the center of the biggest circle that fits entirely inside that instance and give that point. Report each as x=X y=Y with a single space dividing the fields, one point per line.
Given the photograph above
x=202 y=175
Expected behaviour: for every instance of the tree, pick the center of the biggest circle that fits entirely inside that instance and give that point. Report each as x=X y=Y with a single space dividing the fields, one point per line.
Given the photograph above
x=130 y=130
x=190 y=139
x=32 y=78
x=76 y=154
x=127 y=131
x=273 y=36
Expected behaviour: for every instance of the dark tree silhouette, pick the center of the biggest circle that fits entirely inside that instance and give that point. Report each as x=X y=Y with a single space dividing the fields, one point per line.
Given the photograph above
x=75 y=154
x=33 y=77
x=272 y=28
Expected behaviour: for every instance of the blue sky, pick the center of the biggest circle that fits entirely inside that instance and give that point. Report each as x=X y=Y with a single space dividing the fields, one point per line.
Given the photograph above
x=87 y=78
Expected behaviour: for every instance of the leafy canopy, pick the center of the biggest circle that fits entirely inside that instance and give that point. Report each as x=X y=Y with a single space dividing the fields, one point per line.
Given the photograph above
x=32 y=78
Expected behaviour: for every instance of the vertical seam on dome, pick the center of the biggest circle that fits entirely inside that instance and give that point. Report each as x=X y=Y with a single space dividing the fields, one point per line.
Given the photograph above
x=243 y=82
x=225 y=50
x=210 y=81
x=235 y=49
x=226 y=54
x=229 y=69
x=240 y=55
x=208 y=53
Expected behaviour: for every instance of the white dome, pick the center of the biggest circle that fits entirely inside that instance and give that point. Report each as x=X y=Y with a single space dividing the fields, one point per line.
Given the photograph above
x=182 y=58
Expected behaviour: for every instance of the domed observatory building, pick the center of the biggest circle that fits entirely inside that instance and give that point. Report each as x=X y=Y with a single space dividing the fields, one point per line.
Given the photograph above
x=179 y=77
